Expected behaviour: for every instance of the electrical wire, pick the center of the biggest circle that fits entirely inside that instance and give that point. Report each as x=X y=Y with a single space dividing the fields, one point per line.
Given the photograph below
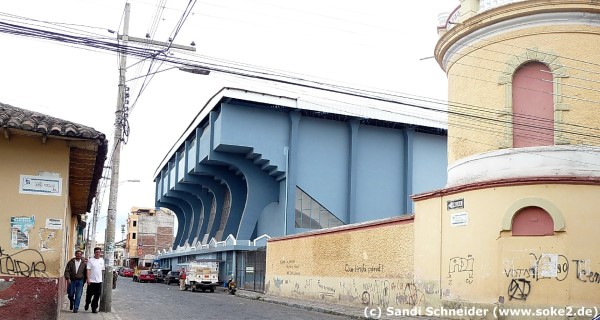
x=472 y=127
x=129 y=50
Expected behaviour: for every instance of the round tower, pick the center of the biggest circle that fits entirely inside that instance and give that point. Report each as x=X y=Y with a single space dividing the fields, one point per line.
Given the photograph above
x=512 y=228
x=524 y=85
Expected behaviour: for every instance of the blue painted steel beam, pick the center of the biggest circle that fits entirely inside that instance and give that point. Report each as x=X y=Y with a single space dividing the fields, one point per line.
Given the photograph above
x=238 y=190
x=262 y=188
x=352 y=172
x=193 y=216
x=235 y=183
x=408 y=134
x=218 y=191
x=291 y=174
x=186 y=212
x=198 y=204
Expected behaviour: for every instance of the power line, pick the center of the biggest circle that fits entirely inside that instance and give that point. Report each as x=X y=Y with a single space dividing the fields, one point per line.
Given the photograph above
x=174 y=34
x=132 y=50
x=472 y=126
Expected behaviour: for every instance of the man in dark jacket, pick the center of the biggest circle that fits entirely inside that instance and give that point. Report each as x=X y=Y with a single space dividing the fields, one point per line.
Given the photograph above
x=75 y=274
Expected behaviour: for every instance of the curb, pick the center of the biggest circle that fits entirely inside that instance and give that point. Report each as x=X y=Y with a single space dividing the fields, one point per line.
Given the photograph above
x=263 y=298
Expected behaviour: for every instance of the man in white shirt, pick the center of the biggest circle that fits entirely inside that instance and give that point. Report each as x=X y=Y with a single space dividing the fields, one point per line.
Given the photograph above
x=95 y=268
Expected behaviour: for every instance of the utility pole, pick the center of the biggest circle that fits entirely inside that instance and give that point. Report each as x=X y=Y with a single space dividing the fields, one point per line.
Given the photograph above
x=109 y=245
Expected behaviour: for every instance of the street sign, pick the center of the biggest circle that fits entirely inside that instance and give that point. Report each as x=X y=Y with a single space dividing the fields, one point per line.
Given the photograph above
x=456 y=204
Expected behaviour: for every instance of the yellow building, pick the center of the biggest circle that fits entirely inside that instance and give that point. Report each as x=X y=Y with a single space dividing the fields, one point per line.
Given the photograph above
x=50 y=170
x=515 y=226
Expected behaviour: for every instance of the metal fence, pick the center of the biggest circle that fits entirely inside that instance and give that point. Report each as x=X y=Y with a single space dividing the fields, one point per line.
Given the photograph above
x=250 y=274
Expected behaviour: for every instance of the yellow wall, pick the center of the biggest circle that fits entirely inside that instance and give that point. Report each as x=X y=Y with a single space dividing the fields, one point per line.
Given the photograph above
x=24 y=155
x=369 y=265
x=477 y=262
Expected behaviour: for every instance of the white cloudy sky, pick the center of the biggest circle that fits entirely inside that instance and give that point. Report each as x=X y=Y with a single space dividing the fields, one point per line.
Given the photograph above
x=377 y=44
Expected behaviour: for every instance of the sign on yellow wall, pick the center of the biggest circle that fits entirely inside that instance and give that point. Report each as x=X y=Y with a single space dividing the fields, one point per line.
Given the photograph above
x=40 y=185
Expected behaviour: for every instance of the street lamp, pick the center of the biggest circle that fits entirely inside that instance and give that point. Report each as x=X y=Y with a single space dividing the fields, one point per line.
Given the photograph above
x=196 y=70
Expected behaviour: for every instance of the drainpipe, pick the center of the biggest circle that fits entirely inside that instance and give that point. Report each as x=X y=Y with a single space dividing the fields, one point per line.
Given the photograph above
x=286 y=152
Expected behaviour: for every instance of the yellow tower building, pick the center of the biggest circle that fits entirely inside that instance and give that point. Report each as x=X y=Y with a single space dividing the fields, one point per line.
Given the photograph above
x=517 y=225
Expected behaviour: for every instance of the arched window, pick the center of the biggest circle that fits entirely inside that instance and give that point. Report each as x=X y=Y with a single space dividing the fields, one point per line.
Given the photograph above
x=533 y=106
x=532 y=221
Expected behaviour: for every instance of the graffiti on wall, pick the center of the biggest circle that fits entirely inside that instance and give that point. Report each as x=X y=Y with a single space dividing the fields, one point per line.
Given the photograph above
x=461 y=266
x=27 y=263
x=363 y=268
x=368 y=292
x=292 y=267
x=518 y=289
x=584 y=272
x=544 y=266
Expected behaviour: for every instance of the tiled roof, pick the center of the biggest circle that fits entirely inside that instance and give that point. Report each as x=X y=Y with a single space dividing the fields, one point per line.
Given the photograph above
x=17 y=118
x=85 y=166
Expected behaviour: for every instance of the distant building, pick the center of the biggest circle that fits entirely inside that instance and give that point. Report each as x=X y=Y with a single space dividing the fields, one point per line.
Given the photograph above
x=120 y=252
x=148 y=231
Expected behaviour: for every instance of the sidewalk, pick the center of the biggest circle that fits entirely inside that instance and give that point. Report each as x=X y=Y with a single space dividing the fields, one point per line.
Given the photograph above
x=341 y=310
x=66 y=314
x=335 y=309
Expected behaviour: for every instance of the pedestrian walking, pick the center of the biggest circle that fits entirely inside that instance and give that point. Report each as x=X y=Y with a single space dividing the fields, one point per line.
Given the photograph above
x=115 y=277
x=75 y=274
x=182 y=277
x=95 y=267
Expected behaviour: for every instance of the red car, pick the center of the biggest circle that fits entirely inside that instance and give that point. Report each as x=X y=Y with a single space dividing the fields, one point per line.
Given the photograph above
x=126 y=272
x=146 y=276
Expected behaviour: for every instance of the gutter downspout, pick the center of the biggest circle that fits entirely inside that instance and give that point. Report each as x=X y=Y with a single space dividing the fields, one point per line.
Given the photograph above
x=286 y=152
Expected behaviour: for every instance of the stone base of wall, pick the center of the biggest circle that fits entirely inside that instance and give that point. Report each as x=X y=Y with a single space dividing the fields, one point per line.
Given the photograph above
x=360 y=292
x=29 y=298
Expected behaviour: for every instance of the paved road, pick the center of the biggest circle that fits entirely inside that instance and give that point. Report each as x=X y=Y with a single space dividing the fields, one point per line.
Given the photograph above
x=133 y=300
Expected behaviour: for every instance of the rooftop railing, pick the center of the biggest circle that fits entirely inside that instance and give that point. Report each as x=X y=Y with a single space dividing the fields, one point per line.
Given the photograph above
x=490 y=4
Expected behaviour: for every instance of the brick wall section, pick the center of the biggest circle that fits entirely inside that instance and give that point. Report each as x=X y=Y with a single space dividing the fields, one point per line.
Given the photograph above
x=164 y=238
x=154 y=232
x=29 y=298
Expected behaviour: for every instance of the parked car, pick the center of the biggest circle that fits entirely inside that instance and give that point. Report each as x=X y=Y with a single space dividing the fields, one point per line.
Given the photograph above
x=172 y=277
x=126 y=272
x=160 y=274
x=145 y=276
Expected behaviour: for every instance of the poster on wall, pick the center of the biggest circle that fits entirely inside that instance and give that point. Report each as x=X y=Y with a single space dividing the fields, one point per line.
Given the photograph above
x=20 y=227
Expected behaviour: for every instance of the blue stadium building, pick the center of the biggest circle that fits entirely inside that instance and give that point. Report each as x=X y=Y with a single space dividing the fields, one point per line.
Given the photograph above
x=254 y=165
